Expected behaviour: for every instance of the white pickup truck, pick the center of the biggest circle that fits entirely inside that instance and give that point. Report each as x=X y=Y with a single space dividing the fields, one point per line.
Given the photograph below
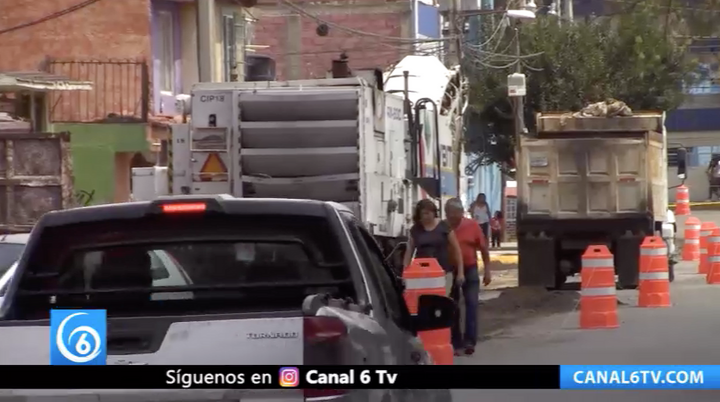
x=248 y=269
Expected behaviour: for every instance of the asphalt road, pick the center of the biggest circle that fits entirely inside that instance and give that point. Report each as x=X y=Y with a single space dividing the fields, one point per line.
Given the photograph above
x=686 y=333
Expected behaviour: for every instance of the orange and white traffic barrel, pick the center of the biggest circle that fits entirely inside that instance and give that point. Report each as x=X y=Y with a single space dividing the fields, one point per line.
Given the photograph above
x=425 y=276
x=598 y=300
x=706 y=229
x=654 y=275
x=691 y=247
x=713 y=265
x=682 y=201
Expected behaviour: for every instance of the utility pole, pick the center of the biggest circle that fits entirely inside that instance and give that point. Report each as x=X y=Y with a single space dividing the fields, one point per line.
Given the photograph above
x=456 y=24
x=568 y=10
x=454 y=20
x=205 y=15
x=519 y=105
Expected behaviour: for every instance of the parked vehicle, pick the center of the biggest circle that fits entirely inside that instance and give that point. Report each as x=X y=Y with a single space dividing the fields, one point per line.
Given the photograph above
x=585 y=181
x=345 y=140
x=245 y=268
x=11 y=247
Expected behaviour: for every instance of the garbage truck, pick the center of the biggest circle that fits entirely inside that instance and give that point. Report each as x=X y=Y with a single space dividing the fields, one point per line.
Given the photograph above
x=588 y=181
x=344 y=140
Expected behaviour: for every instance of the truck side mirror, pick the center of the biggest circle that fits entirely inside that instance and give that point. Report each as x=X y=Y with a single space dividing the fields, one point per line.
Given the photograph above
x=681 y=162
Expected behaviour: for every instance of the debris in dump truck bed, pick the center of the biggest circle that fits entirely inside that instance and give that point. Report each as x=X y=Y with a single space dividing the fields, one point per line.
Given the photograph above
x=522 y=303
x=608 y=108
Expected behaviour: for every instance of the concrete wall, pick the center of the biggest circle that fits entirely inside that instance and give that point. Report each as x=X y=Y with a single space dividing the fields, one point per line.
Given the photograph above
x=101 y=159
x=300 y=53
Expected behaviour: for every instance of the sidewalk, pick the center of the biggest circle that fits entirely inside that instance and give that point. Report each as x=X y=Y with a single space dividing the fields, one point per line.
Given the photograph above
x=505 y=254
x=509 y=246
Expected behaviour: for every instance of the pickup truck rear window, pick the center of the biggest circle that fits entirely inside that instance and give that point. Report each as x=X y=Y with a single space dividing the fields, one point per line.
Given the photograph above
x=186 y=263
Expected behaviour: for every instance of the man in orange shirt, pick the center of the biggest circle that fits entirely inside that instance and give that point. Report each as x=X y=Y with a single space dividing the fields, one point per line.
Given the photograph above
x=471 y=240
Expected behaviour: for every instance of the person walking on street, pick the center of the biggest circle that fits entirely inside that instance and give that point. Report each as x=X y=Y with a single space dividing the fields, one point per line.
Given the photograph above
x=480 y=211
x=431 y=237
x=713 y=174
x=496 y=228
x=471 y=240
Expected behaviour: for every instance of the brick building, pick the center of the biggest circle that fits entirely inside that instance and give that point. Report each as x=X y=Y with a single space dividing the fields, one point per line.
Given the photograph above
x=304 y=42
x=138 y=54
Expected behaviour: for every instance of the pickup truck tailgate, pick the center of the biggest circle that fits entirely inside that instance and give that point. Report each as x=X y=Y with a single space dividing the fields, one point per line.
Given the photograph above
x=194 y=340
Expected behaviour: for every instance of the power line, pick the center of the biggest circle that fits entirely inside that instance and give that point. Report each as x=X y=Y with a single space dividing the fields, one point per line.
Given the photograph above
x=52 y=16
x=386 y=38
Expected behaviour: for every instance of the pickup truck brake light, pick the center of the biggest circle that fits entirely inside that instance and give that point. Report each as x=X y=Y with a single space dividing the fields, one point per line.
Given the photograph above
x=178 y=208
x=323 y=339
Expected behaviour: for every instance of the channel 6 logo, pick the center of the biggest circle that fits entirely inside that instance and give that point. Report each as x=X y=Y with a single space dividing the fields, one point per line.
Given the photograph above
x=289 y=377
x=78 y=337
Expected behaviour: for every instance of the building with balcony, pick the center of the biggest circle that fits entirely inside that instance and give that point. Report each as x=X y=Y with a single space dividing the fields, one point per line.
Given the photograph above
x=137 y=56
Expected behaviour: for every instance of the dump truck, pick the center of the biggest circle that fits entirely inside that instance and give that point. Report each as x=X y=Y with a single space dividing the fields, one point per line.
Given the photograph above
x=337 y=139
x=588 y=181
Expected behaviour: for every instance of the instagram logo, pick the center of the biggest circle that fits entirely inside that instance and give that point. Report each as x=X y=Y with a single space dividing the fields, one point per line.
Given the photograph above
x=289 y=377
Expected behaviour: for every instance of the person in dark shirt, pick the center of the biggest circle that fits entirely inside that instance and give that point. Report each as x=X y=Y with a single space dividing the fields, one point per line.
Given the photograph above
x=432 y=238
x=713 y=174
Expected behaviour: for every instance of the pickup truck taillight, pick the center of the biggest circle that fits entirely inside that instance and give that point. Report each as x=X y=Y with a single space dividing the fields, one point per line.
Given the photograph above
x=324 y=342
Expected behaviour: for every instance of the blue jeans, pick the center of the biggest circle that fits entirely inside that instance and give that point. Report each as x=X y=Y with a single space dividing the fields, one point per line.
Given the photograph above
x=470 y=289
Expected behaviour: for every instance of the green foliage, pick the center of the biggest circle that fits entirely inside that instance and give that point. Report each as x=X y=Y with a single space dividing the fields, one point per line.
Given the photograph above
x=630 y=57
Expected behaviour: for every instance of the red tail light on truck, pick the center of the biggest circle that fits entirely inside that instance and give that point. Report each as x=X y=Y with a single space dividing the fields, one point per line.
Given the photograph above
x=324 y=342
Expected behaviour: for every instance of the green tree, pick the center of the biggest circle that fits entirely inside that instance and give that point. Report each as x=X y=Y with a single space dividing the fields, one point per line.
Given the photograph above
x=630 y=57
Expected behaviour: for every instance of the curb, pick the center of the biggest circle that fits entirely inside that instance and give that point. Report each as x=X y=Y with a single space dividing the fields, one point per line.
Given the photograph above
x=701 y=206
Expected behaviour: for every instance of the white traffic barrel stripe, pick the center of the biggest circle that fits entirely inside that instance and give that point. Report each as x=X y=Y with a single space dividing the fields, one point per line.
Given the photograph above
x=605 y=291
x=705 y=233
x=692 y=241
x=425 y=283
x=703 y=251
x=650 y=276
x=714 y=258
x=714 y=239
x=692 y=227
x=653 y=251
x=598 y=263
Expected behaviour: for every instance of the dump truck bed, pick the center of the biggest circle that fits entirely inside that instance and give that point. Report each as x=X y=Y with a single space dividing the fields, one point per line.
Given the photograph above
x=593 y=167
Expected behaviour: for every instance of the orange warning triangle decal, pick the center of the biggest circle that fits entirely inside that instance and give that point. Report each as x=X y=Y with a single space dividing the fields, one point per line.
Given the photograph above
x=213 y=167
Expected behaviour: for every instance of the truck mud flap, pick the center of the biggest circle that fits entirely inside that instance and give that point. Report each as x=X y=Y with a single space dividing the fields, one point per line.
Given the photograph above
x=627 y=258
x=536 y=261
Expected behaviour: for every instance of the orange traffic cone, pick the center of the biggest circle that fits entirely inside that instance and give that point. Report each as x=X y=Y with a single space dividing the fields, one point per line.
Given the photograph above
x=691 y=247
x=705 y=230
x=598 y=300
x=713 y=258
x=424 y=276
x=682 y=201
x=654 y=277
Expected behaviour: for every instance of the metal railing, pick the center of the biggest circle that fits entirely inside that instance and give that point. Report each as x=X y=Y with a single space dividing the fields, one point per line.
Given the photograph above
x=121 y=91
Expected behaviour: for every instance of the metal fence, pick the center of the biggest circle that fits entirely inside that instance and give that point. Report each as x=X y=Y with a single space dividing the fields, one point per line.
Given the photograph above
x=121 y=90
